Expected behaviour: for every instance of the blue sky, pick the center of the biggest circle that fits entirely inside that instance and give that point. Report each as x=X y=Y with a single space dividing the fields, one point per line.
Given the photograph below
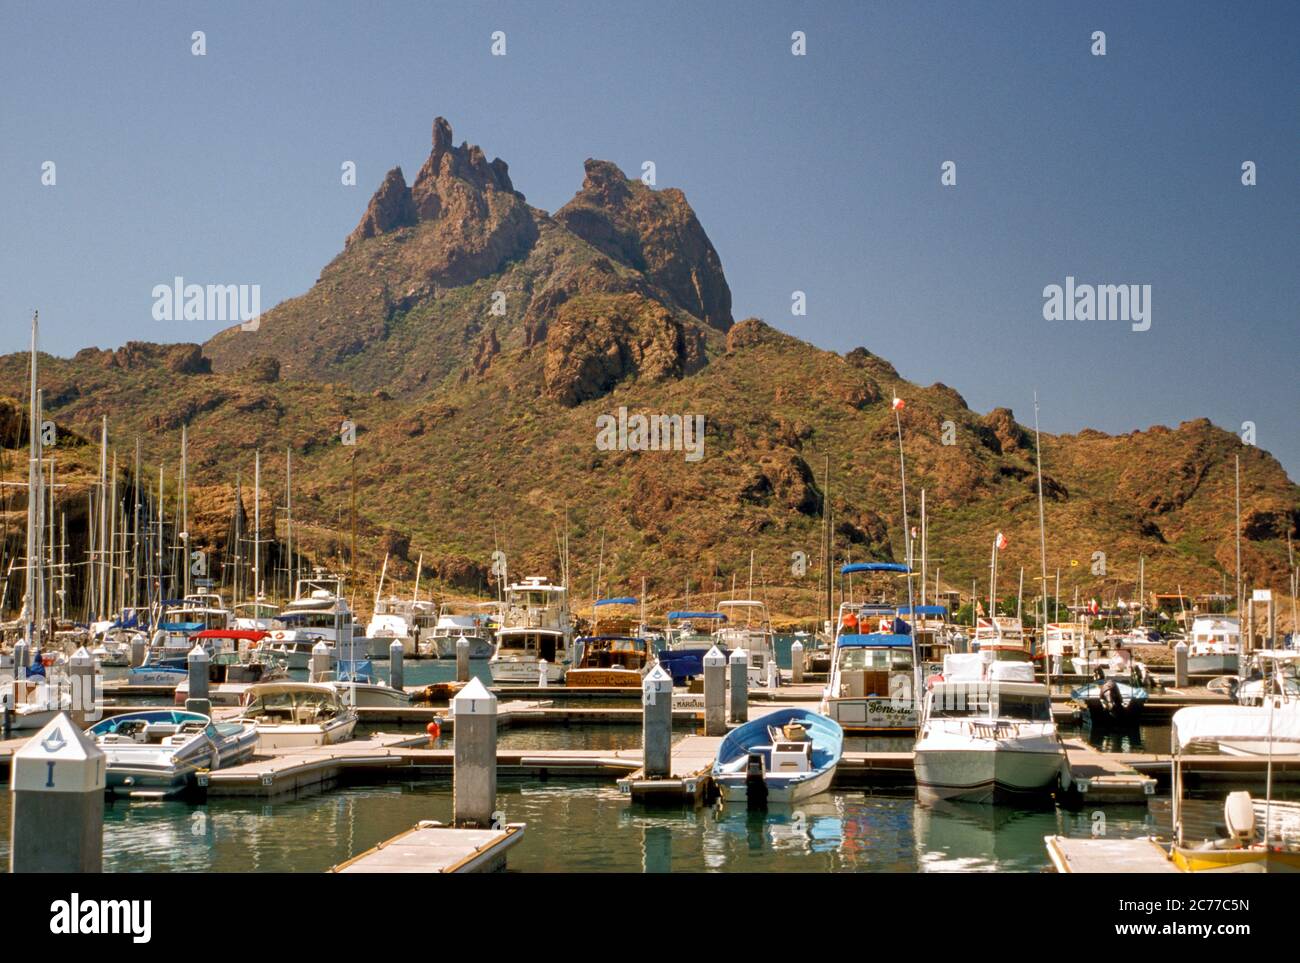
x=818 y=173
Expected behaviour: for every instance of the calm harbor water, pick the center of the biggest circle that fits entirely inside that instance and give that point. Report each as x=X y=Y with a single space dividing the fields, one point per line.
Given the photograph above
x=589 y=827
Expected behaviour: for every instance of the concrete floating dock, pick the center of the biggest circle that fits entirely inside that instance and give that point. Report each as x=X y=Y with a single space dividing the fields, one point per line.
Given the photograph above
x=692 y=763
x=434 y=848
x=1101 y=777
x=1108 y=855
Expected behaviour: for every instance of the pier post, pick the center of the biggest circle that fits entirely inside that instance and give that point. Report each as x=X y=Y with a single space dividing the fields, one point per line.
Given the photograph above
x=462 y=659
x=715 y=693
x=57 y=786
x=474 y=738
x=81 y=675
x=197 y=664
x=796 y=663
x=396 y=671
x=21 y=654
x=139 y=645
x=739 y=686
x=1180 y=665
x=541 y=673
x=320 y=661
x=657 y=723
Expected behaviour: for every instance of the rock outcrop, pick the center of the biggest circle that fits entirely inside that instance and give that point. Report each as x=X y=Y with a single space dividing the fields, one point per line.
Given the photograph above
x=655 y=232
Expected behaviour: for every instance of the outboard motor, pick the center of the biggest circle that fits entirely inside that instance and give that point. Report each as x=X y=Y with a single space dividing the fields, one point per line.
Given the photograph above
x=755 y=784
x=1111 y=698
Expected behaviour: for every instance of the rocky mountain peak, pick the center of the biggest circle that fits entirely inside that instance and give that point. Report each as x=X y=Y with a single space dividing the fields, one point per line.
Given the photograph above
x=655 y=232
x=390 y=208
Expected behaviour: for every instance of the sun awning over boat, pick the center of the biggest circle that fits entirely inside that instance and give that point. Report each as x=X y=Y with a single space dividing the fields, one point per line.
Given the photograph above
x=939 y=610
x=873 y=567
x=180 y=626
x=1255 y=724
x=698 y=615
x=622 y=600
x=873 y=640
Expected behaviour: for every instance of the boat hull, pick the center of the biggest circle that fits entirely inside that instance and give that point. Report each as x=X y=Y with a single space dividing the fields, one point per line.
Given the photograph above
x=444 y=647
x=1254 y=860
x=603 y=678
x=1214 y=663
x=734 y=789
x=987 y=775
x=366 y=696
x=520 y=672
x=872 y=714
x=294 y=736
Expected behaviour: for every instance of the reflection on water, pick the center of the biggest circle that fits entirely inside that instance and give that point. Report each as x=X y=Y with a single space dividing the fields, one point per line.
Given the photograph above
x=591 y=827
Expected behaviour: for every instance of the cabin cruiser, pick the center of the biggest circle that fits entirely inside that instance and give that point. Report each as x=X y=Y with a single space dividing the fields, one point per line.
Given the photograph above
x=318 y=613
x=1065 y=644
x=873 y=663
x=258 y=616
x=475 y=622
x=784 y=757
x=987 y=734
x=611 y=661
x=196 y=612
x=395 y=619
x=235 y=662
x=295 y=714
x=35 y=699
x=933 y=632
x=689 y=637
x=1003 y=636
x=536 y=627
x=872 y=674
x=1215 y=646
x=748 y=627
x=158 y=752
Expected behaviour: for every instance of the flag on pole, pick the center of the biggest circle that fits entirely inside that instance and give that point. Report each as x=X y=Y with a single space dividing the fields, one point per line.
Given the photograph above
x=1000 y=542
x=898 y=404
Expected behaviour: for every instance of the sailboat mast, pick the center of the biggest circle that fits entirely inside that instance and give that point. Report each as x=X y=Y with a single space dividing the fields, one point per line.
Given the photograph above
x=33 y=501
x=185 y=505
x=1042 y=537
x=101 y=545
x=1238 y=534
x=257 y=524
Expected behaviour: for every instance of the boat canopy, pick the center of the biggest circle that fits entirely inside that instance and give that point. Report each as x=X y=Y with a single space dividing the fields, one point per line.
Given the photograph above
x=939 y=610
x=698 y=615
x=621 y=600
x=180 y=626
x=1254 y=724
x=874 y=640
x=874 y=567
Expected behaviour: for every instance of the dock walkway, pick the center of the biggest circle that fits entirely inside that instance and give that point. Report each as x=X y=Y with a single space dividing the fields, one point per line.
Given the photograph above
x=1107 y=855
x=434 y=848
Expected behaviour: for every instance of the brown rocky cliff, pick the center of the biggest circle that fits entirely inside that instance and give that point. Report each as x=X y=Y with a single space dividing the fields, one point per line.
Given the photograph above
x=652 y=231
x=390 y=208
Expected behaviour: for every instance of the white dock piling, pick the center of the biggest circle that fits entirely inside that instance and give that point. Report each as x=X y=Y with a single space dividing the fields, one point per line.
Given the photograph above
x=197 y=663
x=320 y=662
x=715 y=693
x=462 y=659
x=83 y=676
x=739 y=686
x=139 y=645
x=541 y=673
x=474 y=777
x=396 y=672
x=1180 y=665
x=657 y=723
x=796 y=662
x=57 y=782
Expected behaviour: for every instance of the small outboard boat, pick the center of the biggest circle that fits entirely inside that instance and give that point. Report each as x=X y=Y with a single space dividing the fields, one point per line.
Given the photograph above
x=158 y=752
x=1111 y=701
x=785 y=756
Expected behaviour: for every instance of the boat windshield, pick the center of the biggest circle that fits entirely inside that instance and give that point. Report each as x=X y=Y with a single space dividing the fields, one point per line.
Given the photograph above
x=897 y=658
x=976 y=700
